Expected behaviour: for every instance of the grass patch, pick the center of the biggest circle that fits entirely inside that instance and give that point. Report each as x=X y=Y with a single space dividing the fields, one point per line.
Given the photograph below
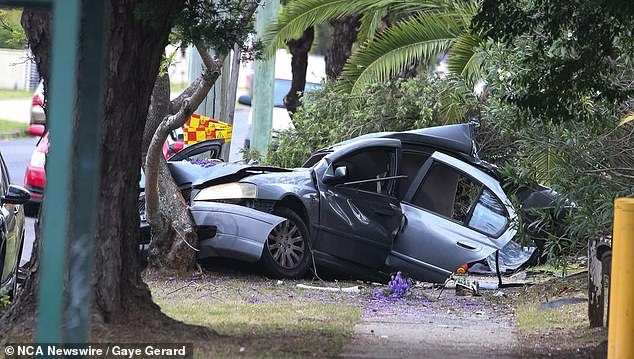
x=15 y=94
x=259 y=318
x=562 y=332
x=531 y=318
x=12 y=126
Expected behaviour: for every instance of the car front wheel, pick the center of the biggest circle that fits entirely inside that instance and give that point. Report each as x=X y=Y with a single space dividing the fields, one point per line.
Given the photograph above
x=286 y=252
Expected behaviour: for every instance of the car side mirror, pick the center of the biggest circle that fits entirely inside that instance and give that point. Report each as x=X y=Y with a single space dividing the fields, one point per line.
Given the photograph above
x=244 y=100
x=340 y=175
x=16 y=195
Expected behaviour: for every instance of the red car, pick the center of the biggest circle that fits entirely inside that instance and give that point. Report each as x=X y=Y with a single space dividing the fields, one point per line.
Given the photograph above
x=35 y=176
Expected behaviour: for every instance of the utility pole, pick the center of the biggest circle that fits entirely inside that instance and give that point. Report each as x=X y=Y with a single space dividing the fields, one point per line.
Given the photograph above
x=264 y=78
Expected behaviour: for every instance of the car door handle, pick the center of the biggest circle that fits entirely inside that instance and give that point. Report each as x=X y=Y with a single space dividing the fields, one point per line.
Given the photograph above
x=466 y=246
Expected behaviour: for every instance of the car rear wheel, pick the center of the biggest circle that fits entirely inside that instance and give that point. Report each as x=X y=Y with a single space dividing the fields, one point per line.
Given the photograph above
x=287 y=252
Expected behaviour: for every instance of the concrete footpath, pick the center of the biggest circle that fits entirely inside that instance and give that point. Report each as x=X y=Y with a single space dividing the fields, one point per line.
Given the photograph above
x=452 y=327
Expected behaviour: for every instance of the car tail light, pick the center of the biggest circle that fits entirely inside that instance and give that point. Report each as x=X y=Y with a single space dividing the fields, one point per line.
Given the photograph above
x=35 y=178
x=37 y=101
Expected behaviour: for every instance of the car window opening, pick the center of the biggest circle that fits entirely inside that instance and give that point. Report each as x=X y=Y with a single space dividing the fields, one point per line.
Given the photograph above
x=367 y=165
x=451 y=194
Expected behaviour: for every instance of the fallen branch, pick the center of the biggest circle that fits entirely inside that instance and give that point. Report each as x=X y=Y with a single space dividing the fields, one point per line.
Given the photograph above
x=354 y=289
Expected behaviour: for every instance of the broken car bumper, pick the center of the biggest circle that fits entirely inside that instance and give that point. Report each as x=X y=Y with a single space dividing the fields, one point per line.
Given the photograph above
x=241 y=232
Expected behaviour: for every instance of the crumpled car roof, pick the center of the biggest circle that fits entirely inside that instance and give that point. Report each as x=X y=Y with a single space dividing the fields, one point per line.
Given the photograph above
x=455 y=138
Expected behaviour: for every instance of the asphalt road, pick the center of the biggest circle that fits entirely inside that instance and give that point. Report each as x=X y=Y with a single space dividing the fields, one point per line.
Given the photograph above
x=16 y=154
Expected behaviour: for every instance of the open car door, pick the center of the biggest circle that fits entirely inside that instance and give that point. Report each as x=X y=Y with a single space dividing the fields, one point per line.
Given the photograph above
x=359 y=214
x=454 y=214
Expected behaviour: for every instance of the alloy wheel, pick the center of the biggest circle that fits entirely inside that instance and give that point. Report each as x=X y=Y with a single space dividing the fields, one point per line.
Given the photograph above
x=286 y=244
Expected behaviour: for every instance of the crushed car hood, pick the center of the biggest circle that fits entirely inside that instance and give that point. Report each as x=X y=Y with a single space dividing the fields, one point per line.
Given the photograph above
x=185 y=172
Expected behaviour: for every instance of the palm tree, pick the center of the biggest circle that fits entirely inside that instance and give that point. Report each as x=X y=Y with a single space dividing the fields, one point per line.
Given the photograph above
x=425 y=30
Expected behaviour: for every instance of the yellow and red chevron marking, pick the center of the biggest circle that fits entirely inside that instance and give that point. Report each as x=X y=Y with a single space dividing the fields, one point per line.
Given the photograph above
x=200 y=128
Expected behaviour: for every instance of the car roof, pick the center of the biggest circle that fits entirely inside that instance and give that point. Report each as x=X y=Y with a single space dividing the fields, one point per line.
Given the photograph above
x=454 y=138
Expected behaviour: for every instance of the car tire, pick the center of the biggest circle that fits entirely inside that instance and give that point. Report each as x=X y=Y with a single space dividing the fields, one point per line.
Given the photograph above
x=286 y=253
x=31 y=209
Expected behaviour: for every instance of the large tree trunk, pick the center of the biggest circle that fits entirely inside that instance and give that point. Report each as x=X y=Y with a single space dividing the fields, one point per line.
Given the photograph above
x=133 y=55
x=299 y=49
x=134 y=52
x=343 y=37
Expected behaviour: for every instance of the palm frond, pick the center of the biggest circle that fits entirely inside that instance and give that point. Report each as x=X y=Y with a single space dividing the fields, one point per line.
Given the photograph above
x=411 y=6
x=418 y=40
x=463 y=58
x=299 y=15
x=544 y=161
x=369 y=24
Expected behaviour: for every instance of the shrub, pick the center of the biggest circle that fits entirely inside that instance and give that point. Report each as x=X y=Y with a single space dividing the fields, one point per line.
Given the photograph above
x=328 y=117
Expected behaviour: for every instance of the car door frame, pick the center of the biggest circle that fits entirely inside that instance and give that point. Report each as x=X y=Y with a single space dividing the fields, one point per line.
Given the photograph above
x=198 y=148
x=370 y=252
x=471 y=244
x=9 y=226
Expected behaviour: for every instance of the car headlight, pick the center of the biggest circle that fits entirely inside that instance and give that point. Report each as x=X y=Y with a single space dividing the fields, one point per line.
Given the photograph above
x=38 y=159
x=227 y=191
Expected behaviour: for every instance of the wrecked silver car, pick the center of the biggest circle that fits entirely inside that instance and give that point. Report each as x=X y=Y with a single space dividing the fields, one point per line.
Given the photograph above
x=419 y=202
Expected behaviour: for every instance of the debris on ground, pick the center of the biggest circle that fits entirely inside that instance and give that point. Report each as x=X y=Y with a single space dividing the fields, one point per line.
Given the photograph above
x=465 y=288
x=561 y=302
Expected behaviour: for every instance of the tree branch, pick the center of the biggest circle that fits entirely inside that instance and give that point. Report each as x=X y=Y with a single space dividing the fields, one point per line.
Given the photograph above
x=187 y=93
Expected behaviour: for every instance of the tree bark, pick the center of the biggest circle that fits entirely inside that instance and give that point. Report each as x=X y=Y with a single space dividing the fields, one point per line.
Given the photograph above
x=172 y=206
x=181 y=252
x=596 y=291
x=299 y=49
x=343 y=37
x=133 y=53
x=37 y=22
